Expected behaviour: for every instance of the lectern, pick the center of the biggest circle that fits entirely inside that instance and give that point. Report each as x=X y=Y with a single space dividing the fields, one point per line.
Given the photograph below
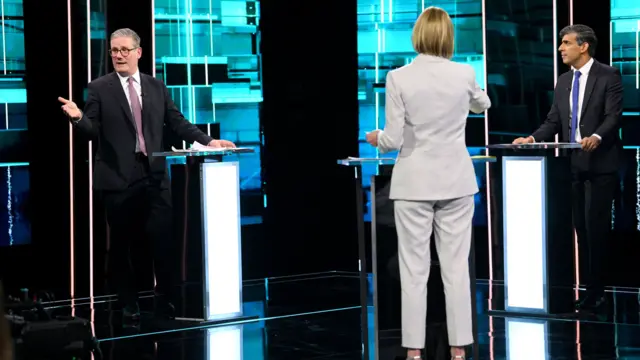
x=385 y=280
x=537 y=231
x=206 y=206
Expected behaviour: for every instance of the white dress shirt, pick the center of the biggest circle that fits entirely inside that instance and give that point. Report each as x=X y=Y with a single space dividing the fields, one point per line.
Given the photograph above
x=582 y=82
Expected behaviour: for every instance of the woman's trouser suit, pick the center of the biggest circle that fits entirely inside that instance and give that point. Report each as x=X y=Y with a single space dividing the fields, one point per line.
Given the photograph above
x=451 y=223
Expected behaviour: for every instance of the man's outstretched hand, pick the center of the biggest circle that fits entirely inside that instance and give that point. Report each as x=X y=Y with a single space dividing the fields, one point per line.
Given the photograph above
x=221 y=144
x=70 y=108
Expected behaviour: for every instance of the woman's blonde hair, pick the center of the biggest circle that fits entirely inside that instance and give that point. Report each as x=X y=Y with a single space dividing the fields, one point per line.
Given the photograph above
x=433 y=33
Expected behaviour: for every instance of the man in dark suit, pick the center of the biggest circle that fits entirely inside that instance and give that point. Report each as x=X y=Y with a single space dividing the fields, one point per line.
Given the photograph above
x=587 y=109
x=125 y=113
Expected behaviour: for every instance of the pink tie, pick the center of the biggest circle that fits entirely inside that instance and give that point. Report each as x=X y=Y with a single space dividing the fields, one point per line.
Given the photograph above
x=136 y=108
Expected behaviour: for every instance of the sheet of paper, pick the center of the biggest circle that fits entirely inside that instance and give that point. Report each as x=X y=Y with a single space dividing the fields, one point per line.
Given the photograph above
x=369 y=159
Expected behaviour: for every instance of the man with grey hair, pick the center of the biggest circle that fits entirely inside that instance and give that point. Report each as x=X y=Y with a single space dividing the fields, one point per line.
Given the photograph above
x=125 y=112
x=587 y=109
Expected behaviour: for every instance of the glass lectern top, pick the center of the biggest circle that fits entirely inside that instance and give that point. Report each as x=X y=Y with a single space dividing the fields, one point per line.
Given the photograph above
x=536 y=146
x=201 y=153
x=355 y=161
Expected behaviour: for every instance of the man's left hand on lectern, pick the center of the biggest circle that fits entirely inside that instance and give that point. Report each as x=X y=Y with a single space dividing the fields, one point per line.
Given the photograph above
x=221 y=144
x=70 y=108
x=590 y=143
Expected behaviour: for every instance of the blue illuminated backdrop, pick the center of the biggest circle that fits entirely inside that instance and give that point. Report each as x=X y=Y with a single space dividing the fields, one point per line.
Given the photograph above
x=208 y=54
x=625 y=43
x=13 y=93
x=14 y=177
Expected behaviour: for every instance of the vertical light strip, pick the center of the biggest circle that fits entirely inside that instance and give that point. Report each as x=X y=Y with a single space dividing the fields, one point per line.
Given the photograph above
x=4 y=62
x=638 y=55
x=377 y=76
x=555 y=58
x=4 y=42
x=486 y=142
x=390 y=10
x=210 y=27
x=72 y=269
x=576 y=250
x=570 y=12
x=206 y=83
x=192 y=54
x=153 y=70
x=422 y=5
x=90 y=157
x=611 y=42
x=153 y=38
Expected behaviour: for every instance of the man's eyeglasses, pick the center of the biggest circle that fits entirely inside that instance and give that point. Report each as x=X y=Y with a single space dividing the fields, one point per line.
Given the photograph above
x=125 y=52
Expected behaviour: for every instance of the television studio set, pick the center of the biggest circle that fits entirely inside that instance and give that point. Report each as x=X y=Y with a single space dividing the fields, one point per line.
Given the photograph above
x=343 y=179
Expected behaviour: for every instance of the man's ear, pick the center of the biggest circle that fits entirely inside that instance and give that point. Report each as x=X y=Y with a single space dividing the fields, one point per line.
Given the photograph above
x=585 y=47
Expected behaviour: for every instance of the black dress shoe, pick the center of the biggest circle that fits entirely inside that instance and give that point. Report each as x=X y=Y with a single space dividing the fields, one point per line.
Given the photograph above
x=163 y=308
x=131 y=312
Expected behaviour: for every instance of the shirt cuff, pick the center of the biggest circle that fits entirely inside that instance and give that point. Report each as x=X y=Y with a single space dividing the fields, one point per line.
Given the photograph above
x=598 y=136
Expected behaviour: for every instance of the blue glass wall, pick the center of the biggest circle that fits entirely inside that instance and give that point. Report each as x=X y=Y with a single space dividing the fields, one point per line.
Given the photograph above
x=384 y=43
x=625 y=43
x=207 y=53
x=13 y=92
x=14 y=176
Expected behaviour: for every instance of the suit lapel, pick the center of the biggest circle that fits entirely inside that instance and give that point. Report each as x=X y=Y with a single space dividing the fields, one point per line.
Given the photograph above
x=564 y=98
x=591 y=83
x=146 y=106
x=118 y=91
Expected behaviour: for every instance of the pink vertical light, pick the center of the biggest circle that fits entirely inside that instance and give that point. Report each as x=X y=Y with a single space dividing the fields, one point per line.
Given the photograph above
x=576 y=251
x=71 y=207
x=555 y=56
x=90 y=157
x=486 y=142
x=153 y=73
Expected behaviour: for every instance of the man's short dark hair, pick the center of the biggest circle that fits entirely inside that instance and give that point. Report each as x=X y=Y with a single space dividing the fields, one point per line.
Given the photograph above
x=584 y=34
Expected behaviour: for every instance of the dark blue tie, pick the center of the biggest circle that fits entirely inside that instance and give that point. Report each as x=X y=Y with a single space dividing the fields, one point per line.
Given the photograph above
x=575 y=93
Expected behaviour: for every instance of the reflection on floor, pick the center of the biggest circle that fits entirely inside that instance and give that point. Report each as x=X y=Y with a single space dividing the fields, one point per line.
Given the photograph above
x=317 y=317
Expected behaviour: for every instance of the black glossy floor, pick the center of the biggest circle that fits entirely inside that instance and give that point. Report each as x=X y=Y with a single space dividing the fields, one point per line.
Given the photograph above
x=318 y=317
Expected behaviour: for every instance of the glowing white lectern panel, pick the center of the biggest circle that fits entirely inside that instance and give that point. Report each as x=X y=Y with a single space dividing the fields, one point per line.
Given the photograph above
x=526 y=339
x=525 y=232
x=222 y=241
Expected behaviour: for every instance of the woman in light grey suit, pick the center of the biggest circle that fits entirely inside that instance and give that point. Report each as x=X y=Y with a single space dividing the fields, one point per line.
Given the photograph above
x=433 y=181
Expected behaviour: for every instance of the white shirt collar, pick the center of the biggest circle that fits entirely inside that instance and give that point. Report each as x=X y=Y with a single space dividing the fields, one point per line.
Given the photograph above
x=584 y=70
x=136 y=77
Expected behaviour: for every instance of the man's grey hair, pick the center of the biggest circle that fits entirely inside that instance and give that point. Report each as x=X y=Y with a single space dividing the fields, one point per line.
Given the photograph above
x=126 y=32
x=584 y=34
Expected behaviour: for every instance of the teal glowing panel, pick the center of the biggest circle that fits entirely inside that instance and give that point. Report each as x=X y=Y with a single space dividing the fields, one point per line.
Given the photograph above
x=384 y=43
x=207 y=53
x=13 y=93
x=625 y=49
